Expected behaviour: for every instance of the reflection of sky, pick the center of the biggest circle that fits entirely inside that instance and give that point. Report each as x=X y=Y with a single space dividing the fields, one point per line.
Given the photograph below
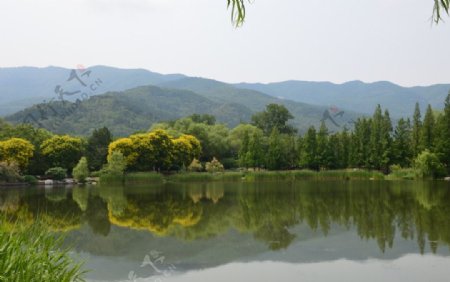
x=315 y=258
x=408 y=268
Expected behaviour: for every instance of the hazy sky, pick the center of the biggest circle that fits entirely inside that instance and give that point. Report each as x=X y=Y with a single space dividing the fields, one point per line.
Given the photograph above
x=332 y=40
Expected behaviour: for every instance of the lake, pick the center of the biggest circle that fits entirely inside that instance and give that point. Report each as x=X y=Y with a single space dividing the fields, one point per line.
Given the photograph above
x=271 y=231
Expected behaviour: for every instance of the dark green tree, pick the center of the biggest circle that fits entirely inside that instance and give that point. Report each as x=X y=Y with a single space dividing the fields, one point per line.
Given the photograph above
x=97 y=148
x=360 y=140
x=274 y=157
x=323 y=155
x=204 y=118
x=244 y=152
x=375 y=138
x=442 y=139
x=416 y=130
x=402 y=152
x=308 y=150
x=343 y=150
x=275 y=116
x=427 y=131
x=386 y=142
x=255 y=153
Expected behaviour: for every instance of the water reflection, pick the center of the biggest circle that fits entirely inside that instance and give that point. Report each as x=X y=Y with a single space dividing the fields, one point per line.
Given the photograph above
x=416 y=210
x=241 y=221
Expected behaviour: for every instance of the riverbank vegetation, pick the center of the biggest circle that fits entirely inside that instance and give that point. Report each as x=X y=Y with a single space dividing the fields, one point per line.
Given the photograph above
x=269 y=143
x=31 y=253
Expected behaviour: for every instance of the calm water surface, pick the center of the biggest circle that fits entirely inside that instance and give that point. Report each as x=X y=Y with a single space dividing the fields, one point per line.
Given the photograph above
x=274 y=231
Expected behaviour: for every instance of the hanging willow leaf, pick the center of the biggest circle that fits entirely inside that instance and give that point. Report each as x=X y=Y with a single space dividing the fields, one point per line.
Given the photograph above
x=440 y=5
x=237 y=11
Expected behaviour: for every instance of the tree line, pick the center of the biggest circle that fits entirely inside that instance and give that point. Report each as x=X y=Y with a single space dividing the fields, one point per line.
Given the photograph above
x=268 y=142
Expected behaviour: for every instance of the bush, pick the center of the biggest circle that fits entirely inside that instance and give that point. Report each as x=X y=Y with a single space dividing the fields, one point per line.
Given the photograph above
x=9 y=172
x=30 y=179
x=81 y=170
x=116 y=164
x=427 y=165
x=229 y=163
x=195 y=166
x=96 y=173
x=214 y=166
x=56 y=173
x=397 y=172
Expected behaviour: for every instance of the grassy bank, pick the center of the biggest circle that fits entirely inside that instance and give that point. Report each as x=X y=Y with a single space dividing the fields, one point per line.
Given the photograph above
x=247 y=176
x=402 y=174
x=296 y=175
x=134 y=178
x=34 y=254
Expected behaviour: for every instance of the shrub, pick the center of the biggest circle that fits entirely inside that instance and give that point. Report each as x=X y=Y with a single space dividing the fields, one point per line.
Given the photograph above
x=195 y=166
x=56 y=173
x=397 y=172
x=96 y=173
x=81 y=170
x=116 y=164
x=230 y=163
x=214 y=166
x=427 y=165
x=30 y=179
x=9 y=172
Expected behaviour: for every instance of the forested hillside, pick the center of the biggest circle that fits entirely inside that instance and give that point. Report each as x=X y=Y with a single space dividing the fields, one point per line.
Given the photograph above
x=137 y=109
x=126 y=112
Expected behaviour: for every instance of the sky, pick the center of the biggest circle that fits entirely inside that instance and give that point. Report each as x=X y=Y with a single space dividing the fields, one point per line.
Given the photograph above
x=327 y=40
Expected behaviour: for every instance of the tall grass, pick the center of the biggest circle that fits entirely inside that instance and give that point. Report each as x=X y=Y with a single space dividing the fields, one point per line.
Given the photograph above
x=295 y=175
x=347 y=174
x=144 y=178
x=292 y=175
x=206 y=177
x=111 y=179
x=34 y=254
x=249 y=176
x=401 y=174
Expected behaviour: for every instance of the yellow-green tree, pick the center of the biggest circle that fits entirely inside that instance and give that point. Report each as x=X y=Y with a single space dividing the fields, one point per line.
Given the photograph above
x=124 y=146
x=163 y=149
x=154 y=150
x=186 y=149
x=81 y=170
x=145 y=152
x=62 y=151
x=16 y=150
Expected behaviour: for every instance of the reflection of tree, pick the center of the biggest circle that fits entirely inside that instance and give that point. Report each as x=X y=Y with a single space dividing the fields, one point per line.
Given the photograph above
x=97 y=216
x=81 y=196
x=212 y=191
x=156 y=212
x=57 y=212
x=268 y=213
x=377 y=210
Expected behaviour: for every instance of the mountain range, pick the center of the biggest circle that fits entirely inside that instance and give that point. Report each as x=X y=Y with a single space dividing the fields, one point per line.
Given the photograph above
x=129 y=100
x=357 y=95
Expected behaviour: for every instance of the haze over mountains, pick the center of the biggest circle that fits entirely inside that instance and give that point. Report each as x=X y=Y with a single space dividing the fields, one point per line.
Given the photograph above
x=357 y=95
x=136 y=98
